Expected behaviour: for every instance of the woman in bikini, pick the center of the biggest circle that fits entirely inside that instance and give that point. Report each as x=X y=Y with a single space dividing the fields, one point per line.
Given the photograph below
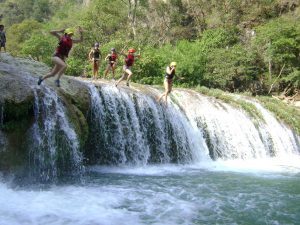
x=168 y=81
x=112 y=63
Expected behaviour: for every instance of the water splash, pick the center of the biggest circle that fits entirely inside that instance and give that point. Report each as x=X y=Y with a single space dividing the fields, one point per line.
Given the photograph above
x=54 y=148
x=231 y=134
x=281 y=140
x=132 y=128
x=1 y=114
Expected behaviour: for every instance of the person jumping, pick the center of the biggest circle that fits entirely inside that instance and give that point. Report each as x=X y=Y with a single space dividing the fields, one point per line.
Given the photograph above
x=129 y=60
x=62 y=51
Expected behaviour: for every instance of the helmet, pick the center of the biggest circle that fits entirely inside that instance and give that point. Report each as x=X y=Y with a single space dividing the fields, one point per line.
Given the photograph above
x=173 y=64
x=69 y=31
x=113 y=49
x=97 y=44
x=131 y=50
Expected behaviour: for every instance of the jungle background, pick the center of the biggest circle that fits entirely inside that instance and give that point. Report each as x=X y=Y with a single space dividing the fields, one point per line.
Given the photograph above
x=233 y=45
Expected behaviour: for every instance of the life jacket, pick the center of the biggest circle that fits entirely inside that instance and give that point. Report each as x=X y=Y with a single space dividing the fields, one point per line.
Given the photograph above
x=129 y=60
x=64 y=46
x=170 y=76
x=96 y=53
x=2 y=37
x=113 y=57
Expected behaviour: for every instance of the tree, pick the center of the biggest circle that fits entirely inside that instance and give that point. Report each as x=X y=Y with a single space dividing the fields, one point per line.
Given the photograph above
x=39 y=47
x=17 y=34
x=280 y=47
x=15 y=11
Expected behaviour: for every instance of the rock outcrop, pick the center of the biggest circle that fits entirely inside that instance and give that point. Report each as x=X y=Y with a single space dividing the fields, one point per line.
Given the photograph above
x=18 y=105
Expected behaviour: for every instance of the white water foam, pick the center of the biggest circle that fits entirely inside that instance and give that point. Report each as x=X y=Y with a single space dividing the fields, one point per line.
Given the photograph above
x=140 y=122
x=234 y=135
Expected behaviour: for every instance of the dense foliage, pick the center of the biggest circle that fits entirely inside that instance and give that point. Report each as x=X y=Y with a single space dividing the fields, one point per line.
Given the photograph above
x=234 y=45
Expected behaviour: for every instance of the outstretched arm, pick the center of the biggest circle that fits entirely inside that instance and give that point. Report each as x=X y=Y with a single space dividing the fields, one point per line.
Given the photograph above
x=57 y=33
x=107 y=57
x=122 y=51
x=81 y=36
x=139 y=53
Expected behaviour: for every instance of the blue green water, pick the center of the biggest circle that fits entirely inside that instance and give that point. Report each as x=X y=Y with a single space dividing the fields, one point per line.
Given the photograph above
x=160 y=195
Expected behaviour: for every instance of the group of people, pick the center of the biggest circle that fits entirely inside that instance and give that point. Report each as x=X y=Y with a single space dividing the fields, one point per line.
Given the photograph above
x=111 y=59
x=2 y=38
x=66 y=41
x=95 y=58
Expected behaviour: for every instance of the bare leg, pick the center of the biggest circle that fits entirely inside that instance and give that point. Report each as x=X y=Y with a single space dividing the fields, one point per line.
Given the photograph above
x=61 y=71
x=106 y=71
x=97 y=69
x=160 y=97
x=128 y=71
x=59 y=66
x=113 y=71
x=52 y=73
x=94 y=69
x=124 y=76
x=168 y=87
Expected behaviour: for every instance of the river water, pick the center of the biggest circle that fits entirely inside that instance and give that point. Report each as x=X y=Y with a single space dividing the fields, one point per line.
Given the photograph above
x=228 y=192
x=196 y=160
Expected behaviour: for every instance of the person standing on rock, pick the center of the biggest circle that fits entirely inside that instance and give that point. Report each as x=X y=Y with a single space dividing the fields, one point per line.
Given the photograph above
x=168 y=81
x=62 y=51
x=112 y=63
x=2 y=38
x=95 y=57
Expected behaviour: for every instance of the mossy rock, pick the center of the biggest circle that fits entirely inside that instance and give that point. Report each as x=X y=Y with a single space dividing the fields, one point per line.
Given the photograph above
x=76 y=92
x=77 y=100
x=16 y=102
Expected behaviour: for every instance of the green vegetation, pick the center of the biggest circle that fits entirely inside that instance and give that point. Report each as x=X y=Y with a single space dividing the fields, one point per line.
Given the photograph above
x=243 y=104
x=286 y=113
x=290 y=115
x=233 y=45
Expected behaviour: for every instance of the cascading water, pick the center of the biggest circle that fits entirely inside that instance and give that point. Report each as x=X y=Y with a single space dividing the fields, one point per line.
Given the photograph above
x=1 y=114
x=132 y=128
x=231 y=134
x=54 y=148
x=51 y=145
x=128 y=130
x=282 y=140
x=2 y=137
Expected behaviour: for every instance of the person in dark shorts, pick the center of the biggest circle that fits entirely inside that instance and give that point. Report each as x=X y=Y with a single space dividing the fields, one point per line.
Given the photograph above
x=128 y=63
x=62 y=51
x=95 y=57
x=168 y=81
x=2 y=38
x=112 y=62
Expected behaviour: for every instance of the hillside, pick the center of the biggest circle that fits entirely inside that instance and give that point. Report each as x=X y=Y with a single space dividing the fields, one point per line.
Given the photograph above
x=237 y=46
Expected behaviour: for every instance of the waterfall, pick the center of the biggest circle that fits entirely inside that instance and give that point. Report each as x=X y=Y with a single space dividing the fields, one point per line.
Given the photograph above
x=51 y=147
x=1 y=114
x=127 y=126
x=54 y=148
x=2 y=136
x=132 y=128
x=281 y=140
x=231 y=134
